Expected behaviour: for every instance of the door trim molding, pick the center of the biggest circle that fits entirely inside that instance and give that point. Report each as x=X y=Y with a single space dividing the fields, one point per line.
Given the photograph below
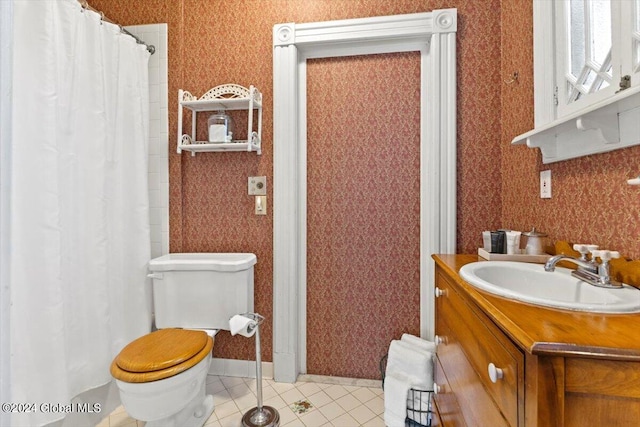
x=433 y=34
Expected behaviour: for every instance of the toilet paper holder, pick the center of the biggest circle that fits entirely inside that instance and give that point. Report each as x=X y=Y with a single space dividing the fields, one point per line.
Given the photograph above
x=259 y=416
x=245 y=324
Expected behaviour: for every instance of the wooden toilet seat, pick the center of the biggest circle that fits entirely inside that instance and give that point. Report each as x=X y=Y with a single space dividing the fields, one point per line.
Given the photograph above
x=161 y=354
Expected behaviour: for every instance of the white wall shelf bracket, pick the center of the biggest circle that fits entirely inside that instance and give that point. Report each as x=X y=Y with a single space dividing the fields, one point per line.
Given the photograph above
x=606 y=126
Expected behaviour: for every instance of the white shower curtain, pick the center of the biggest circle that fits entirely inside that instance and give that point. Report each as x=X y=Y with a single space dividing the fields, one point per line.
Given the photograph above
x=78 y=207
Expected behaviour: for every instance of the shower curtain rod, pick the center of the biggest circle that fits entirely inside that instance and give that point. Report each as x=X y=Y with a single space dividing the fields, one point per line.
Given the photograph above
x=151 y=48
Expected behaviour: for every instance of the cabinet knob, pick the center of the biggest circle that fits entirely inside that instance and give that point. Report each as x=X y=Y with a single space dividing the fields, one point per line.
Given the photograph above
x=439 y=292
x=440 y=339
x=436 y=388
x=495 y=374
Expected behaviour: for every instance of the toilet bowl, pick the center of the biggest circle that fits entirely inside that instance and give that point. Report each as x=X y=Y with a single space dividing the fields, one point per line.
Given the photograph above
x=161 y=376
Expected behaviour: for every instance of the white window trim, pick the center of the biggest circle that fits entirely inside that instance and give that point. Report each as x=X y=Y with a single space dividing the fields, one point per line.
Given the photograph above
x=544 y=70
x=608 y=124
x=562 y=58
x=434 y=35
x=630 y=8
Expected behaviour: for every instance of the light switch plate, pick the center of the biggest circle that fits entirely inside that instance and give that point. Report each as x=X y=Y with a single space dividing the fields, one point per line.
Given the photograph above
x=257 y=185
x=261 y=205
x=545 y=184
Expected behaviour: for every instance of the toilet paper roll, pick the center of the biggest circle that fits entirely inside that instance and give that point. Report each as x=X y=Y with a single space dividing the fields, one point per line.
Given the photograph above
x=242 y=325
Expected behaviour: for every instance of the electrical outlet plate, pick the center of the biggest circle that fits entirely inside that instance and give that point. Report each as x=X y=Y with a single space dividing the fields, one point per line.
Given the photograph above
x=257 y=185
x=545 y=184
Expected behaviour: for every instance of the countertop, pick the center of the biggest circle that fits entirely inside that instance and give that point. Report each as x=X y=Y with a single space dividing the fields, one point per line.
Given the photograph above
x=548 y=331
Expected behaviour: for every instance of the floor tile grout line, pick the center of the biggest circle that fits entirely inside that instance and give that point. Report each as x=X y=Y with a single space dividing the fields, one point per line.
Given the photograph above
x=359 y=397
x=346 y=411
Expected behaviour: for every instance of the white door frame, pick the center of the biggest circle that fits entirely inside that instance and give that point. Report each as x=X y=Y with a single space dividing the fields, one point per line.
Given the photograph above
x=434 y=35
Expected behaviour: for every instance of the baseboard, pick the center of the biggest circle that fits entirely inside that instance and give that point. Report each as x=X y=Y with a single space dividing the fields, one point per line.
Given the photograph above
x=326 y=379
x=247 y=369
x=239 y=368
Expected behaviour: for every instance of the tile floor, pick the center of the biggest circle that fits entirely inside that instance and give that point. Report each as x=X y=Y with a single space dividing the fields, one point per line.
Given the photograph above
x=331 y=404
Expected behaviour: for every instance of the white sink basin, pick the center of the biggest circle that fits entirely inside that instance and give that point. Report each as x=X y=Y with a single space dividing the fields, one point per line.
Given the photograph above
x=530 y=283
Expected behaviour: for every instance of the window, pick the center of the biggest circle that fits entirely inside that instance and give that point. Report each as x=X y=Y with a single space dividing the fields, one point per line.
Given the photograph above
x=589 y=44
x=597 y=43
x=586 y=77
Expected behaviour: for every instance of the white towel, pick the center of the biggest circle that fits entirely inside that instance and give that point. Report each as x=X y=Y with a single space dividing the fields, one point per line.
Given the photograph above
x=408 y=366
x=411 y=361
x=419 y=342
x=420 y=401
x=396 y=387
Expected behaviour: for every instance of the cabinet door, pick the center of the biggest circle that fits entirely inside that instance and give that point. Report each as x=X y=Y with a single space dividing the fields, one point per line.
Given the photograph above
x=462 y=361
x=462 y=400
x=444 y=397
x=601 y=392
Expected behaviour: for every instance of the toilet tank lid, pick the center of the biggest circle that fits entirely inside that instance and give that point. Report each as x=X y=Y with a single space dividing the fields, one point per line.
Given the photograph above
x=203 y=261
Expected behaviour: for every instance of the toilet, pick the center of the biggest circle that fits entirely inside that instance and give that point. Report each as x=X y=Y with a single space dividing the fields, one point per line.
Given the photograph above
x=161 y=376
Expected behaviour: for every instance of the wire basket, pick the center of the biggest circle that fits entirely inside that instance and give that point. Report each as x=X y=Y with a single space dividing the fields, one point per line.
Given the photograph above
x=418 y=402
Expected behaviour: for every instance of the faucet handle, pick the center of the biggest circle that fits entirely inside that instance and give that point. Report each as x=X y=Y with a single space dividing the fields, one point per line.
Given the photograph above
x=584 y=249
x=605 y=255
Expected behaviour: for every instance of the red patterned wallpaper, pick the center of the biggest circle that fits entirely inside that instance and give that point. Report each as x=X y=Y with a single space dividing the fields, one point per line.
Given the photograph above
x=592 y=202
x=214 y=42
x=363 y=221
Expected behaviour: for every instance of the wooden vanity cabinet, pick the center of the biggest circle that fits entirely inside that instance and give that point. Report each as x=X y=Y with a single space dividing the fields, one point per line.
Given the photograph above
x=470 y=342
x=536 y=382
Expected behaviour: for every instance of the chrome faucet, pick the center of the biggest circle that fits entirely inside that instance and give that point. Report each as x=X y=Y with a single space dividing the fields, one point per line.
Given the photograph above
x=583 y=263
x=589 y=270
x=588 y=266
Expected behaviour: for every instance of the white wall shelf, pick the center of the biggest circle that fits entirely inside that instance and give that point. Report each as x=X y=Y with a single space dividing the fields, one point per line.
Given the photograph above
x=605 y=126
x=224 y=97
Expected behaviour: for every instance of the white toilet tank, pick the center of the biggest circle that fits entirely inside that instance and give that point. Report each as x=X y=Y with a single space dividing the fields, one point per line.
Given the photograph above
x=201 y=290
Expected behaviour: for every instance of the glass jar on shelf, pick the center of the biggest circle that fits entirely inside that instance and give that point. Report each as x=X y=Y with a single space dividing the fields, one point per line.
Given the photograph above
x=220 y=128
